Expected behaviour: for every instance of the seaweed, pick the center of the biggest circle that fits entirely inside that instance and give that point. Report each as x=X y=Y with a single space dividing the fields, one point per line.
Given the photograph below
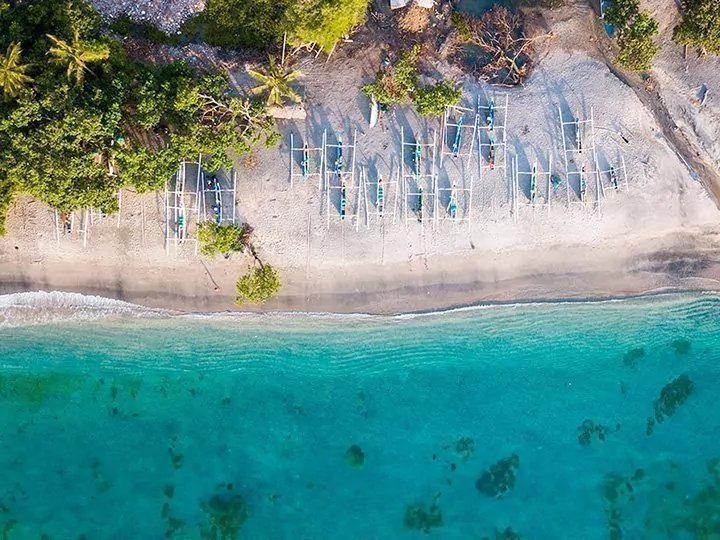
x=682 y=346
x=588 y=429
x=32 y=390
x=673 y=394
x=465 y=447
x=226 y=516
x=355 y=457
x=499 y=479
x=506 y=534
x=633 y=356
x=418 y=518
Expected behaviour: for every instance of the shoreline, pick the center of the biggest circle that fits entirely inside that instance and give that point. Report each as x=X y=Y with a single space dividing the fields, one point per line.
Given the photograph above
x=438 y=283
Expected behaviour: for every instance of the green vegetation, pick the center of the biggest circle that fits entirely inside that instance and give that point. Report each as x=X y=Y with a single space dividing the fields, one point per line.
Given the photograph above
x=226 y=516
x=682 y=346
x=13 y=77
x=275 y=83
x=461 y=25
x=637 y=48
x=700 y=26
x=218 y=239
x=465 y=447
x=125 y=26
x=673 y=394
x=79 y=120
x=621 y=13
x=633 y=357
x=77 y=55
x=355 y=457
x=420 y=518
x=260 y=23
x=398 y=84
x=432 y=100
x=259 y=284
x=590 y=429
x=636 y=30
x=499 y=479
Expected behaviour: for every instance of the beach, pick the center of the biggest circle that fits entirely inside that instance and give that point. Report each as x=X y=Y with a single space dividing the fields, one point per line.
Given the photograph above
x=657 y=230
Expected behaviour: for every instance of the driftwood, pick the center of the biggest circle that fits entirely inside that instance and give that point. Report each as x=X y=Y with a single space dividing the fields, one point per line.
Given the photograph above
x=499 y=52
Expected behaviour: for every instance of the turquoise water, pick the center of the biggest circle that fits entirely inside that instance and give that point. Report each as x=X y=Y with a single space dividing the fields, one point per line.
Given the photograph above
x=461 y=424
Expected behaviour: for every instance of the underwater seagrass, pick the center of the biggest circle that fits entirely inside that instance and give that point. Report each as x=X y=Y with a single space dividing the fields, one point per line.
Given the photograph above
x=499 y=479
x=418 y=518
x=355 y=457
x=226 y=515
x=633 y=356
x=673 y=394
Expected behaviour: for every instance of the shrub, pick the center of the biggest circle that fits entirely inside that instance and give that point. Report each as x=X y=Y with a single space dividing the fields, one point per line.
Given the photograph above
x=637 y=48
x=635 y=31
x=396 y=84
x=260 y=23
x=461 y=25
x=700 y=26
x=324 y=22
x=621 y=13
x=217 y=239
x=259 y=284
x=432 y=100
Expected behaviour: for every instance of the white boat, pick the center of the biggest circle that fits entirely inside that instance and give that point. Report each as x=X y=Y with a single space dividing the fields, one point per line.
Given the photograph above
x=374 y=111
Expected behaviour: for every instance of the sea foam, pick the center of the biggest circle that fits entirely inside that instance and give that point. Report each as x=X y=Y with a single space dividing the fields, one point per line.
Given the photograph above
x=42 y=307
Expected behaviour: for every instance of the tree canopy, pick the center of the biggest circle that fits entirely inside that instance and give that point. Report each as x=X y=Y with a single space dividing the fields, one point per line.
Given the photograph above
x=260 y=23
x=636 y=30
x=700 y=26
x=79 y=120
x=259 y=284
x=13 y=77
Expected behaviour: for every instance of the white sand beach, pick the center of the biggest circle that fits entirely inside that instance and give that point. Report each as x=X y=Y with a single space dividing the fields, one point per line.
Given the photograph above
x=658 y=230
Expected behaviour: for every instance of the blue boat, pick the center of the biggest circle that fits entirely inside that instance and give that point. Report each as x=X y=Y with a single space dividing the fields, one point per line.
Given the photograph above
x=609 y=28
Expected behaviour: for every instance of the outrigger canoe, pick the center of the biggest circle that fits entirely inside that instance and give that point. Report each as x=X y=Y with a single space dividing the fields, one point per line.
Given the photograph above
x=374 y=111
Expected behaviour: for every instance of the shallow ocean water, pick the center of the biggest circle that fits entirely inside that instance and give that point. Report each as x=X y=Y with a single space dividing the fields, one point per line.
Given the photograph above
x=322 y=427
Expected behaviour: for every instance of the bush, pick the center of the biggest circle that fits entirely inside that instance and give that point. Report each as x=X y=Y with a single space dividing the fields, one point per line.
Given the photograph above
x=432 y=100
x=324 y=22
x=125 y=26
x=700 y=27
x=461 y=25
x=260 y=23
x=257 y=285
x=396 y=84
x=621 y=13
x=218 y=239
x=635 y=31
x=637 y=48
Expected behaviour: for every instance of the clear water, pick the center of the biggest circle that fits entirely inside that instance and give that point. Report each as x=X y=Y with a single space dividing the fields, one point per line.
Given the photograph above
x=128 y=429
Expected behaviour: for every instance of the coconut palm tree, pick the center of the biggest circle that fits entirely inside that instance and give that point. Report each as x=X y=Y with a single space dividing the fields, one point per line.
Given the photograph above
x=77 y=55
x=13 y=78
x=276 y=83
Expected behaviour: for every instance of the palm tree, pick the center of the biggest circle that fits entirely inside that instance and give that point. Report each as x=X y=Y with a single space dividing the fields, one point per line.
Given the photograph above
x=276 y=82
x=13 y=78
x=77 y=55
